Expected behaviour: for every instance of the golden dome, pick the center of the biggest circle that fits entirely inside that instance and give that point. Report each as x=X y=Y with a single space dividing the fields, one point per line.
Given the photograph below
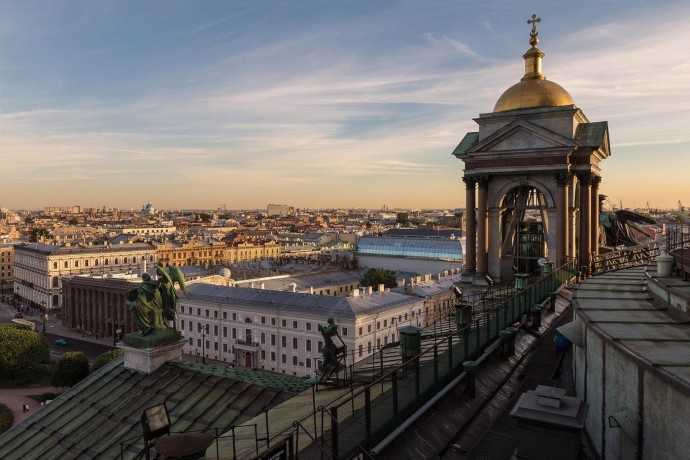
x=534 y=90
x=533 y=93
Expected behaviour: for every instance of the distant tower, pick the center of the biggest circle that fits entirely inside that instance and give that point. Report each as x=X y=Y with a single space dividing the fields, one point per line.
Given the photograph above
x=532 y=178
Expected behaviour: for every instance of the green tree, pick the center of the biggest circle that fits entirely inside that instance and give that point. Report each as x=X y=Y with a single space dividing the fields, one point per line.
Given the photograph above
x=71 y=369
x=375 y=276
x=36 y=233
x=402 y=218
x=24 y=355
x=105 y=358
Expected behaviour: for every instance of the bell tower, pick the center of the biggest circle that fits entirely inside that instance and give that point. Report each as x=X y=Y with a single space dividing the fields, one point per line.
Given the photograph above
x=532 y=178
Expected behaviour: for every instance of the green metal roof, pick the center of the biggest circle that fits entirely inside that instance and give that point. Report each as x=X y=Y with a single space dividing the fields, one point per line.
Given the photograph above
x=467 y=142
x=591 y=134
x=94 y=417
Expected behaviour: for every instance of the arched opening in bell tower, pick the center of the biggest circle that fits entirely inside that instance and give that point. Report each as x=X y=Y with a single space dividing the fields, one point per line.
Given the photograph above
x=523 y=225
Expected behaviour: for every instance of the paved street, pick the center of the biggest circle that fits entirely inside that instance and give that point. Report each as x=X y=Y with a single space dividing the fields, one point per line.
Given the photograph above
x=91 y=346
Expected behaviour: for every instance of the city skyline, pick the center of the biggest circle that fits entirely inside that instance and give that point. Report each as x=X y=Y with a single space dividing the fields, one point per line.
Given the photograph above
x=318 y=105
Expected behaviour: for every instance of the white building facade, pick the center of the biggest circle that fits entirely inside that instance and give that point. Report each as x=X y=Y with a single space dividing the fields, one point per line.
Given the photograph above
x=39 y=268
x=279 y=331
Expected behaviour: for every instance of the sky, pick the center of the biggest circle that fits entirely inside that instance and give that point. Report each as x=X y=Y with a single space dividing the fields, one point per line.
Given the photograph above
x=319 y=104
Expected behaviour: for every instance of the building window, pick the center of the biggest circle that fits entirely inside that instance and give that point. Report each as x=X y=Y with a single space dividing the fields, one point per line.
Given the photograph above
x=360 y=331
x=225 y=348
x=294 y=360
x=273 y=321
x=319 y=346
x=234 y=333
x=54 y=264
x=294 y=324
x=369 y=328
x=225 y=332
x=263 y=354
x=215 y=346
x=385 y=323
x=284 y=323
x=225 y=315
x=283 y=359
x=67 y=263
x=215 y=314
x=215 y=330
x=294 y=343
x=273 y=356
x=76 y=264
x=198 y=342
x=361 y=350
x=263 y=320
x=263 y=338
x=368 y=347
x=284 y=341
x=198 y=312
x=207 y=313
x=234 y=316
x=191 y=341
x=308 y=344
x=309 y=326
x=308 y=362
x=273 y=340
x=344 y=331
x=378 y=325
x=182 y=325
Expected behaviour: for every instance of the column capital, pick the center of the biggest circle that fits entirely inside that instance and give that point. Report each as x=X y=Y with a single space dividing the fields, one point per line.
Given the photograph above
x=483 y=180
x=470 y=181
x=596 y=180
x=562 y=178
x=585 y=178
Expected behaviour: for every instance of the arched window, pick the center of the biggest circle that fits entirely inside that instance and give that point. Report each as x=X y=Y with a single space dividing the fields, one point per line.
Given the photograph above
x=125 y=259
x=106 y=261
x=95 y=262
x=117 y=260
x=76 y=264
x=150 y=258
x=55 y=281
x=66 y=264
x=54 y=264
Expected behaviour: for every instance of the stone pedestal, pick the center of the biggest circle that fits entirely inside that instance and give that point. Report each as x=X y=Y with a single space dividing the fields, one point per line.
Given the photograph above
x=148 y=359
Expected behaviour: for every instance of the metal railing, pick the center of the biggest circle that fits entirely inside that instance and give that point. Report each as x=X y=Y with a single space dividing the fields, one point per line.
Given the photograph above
x=678 y=246
x=623 y=258
x=376 y=410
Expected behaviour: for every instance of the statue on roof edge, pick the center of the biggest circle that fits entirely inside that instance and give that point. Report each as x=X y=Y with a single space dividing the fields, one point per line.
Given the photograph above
x=153 y=303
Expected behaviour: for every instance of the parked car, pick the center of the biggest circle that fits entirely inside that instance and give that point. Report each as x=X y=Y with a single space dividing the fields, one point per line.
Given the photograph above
x=62 y=342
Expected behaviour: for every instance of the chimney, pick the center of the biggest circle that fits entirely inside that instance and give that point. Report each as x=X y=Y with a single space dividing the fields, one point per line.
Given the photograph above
x=370 y=289
x=355 y=293
x=381 y=287
x=293 y=287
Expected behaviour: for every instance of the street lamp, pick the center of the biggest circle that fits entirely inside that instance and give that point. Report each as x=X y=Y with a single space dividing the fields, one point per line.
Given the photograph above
x=204 y=331
x=45 y=315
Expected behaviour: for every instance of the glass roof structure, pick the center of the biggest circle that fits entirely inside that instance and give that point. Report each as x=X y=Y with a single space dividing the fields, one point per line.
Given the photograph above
x=426 y=248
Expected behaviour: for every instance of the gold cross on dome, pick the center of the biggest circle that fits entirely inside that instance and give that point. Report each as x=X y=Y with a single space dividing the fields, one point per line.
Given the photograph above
x=534 y=22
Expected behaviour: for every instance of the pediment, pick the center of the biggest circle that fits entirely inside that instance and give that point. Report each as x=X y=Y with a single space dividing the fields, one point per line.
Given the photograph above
x=521 y=135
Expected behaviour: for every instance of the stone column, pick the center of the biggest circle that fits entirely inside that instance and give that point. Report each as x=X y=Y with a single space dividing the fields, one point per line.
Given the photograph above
x=494 y=257
x=482 y=227
x=585 y=247
x=562 y=217
x=470 y=257
x=595 y=214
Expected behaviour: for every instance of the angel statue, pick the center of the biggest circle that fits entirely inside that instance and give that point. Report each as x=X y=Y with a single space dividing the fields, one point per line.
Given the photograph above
x=153 y=302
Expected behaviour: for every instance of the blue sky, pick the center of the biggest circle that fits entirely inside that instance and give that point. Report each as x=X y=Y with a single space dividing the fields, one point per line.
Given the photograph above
x=198 y=104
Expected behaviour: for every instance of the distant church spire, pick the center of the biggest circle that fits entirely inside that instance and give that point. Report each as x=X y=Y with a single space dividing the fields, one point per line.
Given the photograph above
x=534 y=55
